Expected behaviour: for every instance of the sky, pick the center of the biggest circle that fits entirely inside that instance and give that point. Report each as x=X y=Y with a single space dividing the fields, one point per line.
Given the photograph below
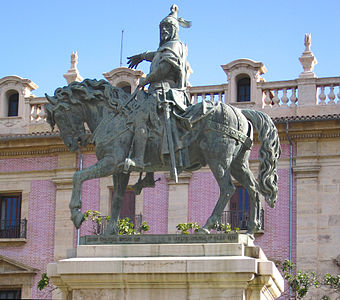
x=38 y=36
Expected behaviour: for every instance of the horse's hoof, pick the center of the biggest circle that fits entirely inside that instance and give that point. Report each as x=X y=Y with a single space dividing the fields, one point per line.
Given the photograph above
x=77 y=218
x=203 y=231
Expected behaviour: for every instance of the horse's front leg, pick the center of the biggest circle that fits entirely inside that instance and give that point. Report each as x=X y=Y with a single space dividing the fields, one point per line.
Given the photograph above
x=120 y=182
x=102 y=168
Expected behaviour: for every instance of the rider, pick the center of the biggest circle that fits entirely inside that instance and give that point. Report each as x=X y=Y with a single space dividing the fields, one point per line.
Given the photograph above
x=168 y=75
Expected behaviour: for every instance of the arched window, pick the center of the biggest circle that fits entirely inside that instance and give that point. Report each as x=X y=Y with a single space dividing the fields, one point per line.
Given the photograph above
x=125 y=86
x=243 y=89
x=127 y=89
x=13 y=103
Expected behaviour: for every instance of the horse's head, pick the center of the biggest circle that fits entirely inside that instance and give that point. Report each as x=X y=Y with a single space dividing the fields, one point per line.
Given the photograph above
x=68 y=117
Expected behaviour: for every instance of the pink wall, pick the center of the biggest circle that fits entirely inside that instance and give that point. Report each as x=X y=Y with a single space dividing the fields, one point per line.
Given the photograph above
x=156 y=206
x=28 y=164
x=90 y=195
x=38 y=251
x=203 y=195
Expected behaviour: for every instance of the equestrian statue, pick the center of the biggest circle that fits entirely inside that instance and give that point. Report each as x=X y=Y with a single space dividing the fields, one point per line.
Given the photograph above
x=158 y=129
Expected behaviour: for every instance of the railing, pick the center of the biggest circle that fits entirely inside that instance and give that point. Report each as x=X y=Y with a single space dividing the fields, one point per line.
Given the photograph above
x=328 y=90
x=239 y=219
x=10 y=230
x=136 y=220
x=287 y=93
x=37 y=110
x=280 y=93
x=210 y=92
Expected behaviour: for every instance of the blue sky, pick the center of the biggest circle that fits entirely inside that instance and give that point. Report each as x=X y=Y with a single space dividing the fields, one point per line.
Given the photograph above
x=38 y=36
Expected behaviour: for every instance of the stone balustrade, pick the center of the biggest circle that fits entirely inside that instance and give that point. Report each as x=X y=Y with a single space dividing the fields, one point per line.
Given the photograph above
x=279 y=93
x=210 y=92
x=37 y=110
x=328 y=90
x=292 y=93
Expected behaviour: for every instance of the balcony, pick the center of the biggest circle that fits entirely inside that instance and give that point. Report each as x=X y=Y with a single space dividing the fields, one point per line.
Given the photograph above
x=239 y=219
x=13 y=230
x=136 y=220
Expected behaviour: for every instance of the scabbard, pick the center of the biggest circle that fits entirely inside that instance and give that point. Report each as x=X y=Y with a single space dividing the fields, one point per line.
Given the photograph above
x=173 y=169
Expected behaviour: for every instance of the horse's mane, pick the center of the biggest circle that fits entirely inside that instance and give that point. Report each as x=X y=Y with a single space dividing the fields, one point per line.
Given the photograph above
x=89 y=90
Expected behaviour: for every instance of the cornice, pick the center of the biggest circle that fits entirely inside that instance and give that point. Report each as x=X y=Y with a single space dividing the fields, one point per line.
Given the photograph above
x=294 y=119
x=42 y=150
x=295 y=136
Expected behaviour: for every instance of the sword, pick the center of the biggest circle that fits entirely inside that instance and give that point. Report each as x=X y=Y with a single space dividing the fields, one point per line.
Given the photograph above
x=133 y=95
x=173 y=169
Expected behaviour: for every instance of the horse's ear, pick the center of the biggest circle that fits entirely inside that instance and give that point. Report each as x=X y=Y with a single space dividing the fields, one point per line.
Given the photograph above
x=50 y=99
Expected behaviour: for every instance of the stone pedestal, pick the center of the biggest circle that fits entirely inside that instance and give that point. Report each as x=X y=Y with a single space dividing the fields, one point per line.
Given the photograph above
x=168 y=271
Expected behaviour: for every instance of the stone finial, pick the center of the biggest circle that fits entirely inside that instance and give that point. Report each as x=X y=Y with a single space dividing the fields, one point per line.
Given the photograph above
x=73 y=73
x=74 y=60
x=308 y=42
x=307 y=59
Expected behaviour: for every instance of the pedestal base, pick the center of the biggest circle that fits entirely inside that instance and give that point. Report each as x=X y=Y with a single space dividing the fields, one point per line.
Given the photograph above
x=167 y=271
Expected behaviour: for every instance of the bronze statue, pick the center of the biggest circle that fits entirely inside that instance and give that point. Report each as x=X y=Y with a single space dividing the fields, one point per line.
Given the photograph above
x=161 y=131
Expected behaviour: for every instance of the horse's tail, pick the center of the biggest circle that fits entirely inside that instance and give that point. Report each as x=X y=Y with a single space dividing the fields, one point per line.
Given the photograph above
x=269 y=153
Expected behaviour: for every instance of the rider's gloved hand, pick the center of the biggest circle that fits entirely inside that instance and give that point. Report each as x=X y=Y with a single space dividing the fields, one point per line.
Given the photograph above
x=133 y=61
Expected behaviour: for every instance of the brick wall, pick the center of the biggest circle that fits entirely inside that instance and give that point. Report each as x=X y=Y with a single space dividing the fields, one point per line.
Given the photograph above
x=203 y=195
x=156 y=206
x=39 y=249
x=28 y=164
x=90 y=196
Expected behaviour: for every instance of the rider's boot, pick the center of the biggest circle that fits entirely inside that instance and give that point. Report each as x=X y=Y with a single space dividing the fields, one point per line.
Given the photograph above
x=139 y=146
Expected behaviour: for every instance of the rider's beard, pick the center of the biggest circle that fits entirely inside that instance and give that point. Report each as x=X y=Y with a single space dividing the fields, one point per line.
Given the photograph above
x=169 y=36
x=165 y=38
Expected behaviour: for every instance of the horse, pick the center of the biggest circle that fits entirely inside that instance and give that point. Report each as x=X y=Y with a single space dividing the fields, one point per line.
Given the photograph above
x=221 y=139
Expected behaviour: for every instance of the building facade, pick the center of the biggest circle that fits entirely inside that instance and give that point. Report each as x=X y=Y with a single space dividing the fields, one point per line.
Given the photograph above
x=36 y=175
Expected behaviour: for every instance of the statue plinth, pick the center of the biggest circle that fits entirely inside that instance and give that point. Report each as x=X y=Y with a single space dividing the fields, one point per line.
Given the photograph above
x=168 y=271
x=166 y=239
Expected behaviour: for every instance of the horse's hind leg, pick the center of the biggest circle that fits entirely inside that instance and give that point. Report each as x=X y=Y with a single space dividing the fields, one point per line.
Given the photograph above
x=227 y=189
x=241 y=172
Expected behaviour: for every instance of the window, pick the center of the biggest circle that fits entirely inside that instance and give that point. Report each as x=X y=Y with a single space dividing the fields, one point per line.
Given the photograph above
x=238 y=214
x=127 y=89
x=10 y=294
x=13 y=103
x=125 y=86
x=128 y=208
x=243 y=89
x=10 y=213
x=240 y=208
